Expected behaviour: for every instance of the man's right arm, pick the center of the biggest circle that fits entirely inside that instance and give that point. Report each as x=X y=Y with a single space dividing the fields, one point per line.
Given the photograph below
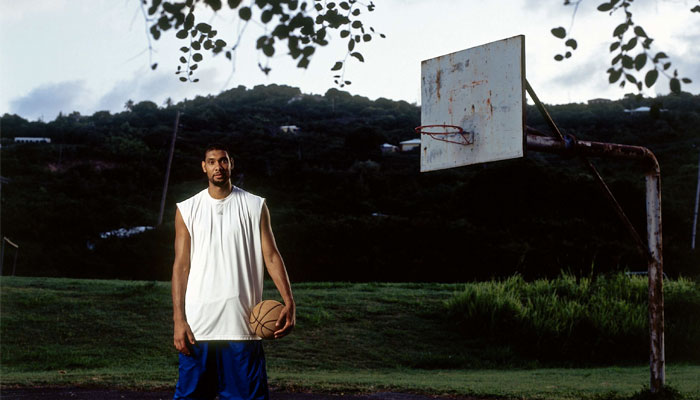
x=183 y=336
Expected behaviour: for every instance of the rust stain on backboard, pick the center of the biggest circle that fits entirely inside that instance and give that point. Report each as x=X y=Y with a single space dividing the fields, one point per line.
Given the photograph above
x=437 y=81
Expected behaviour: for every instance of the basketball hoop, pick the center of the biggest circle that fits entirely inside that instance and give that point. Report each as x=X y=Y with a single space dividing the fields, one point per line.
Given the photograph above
x=447 y=133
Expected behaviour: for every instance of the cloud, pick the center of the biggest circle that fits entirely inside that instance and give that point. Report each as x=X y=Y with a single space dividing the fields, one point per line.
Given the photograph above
x=156 y=87
x=47 y=100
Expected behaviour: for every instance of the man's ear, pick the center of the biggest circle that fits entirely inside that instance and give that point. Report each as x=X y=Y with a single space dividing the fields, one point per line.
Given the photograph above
x=204 y=167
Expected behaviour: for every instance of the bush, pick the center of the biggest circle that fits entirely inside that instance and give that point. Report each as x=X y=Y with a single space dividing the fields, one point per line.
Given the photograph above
x=584 y=319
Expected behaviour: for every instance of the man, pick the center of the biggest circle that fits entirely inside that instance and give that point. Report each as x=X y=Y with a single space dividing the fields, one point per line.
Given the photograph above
x=223 y=237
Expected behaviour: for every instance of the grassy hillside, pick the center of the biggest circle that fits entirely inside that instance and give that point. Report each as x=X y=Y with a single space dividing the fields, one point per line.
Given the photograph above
x=350 y=336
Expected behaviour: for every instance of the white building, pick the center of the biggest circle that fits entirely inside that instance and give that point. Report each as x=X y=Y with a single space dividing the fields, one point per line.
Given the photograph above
x=290 y=129
x=21 y=139
x=408 y=145
x=389 y=148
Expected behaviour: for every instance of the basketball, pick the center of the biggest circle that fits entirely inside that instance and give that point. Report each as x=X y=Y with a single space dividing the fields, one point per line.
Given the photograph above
x=264 y=317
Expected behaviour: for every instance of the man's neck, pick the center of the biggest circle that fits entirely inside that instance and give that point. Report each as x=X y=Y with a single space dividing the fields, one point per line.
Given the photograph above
x=220 y=192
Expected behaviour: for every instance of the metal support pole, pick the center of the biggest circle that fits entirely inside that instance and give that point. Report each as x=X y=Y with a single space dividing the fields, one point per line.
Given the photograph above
x=167 y=171
x=657 y=356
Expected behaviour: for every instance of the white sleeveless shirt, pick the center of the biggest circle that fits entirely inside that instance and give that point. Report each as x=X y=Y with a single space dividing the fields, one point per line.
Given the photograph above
x=226 y=264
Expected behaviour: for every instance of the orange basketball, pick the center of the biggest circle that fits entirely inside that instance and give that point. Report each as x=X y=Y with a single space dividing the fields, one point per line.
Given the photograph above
x=264 y=317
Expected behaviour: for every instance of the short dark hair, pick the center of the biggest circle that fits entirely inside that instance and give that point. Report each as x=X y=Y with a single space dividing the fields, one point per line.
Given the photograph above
x=215 y=146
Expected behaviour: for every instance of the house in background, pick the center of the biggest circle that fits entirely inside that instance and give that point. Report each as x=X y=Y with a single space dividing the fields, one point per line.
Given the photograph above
x=408 y=145
x=293 y=129
x=599 y=101
x=389 y=148
x=21 y=139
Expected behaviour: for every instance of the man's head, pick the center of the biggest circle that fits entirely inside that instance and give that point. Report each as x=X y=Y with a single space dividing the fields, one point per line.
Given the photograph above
x=217 y=165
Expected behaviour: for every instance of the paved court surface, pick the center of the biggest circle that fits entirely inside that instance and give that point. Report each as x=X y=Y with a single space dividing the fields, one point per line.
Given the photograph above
x=107 y=394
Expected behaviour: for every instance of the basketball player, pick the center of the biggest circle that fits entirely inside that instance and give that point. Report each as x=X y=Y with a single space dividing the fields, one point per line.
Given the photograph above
x=223 y=237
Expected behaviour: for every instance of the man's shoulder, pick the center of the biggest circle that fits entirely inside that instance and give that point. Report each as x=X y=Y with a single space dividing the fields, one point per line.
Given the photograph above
x=248 y=197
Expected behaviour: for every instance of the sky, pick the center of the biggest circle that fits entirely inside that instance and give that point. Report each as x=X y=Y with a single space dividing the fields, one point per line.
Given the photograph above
x=92 y=55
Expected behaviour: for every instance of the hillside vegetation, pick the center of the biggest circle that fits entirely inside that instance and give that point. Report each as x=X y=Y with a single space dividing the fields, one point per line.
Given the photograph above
x=341 y=210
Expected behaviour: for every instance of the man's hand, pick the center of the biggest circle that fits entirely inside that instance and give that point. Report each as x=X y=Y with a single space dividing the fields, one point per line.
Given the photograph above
x=286 y=321
x=183 y=337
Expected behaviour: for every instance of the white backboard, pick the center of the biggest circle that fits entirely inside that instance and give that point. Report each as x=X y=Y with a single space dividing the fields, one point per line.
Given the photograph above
x=482 y=90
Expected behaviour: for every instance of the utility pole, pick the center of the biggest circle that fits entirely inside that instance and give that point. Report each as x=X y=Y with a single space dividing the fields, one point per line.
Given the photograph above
x=167 y=171
x=695 y=215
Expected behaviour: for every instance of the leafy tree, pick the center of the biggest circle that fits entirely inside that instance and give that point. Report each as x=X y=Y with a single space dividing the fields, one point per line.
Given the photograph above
x=631 y=49
x=301 y=25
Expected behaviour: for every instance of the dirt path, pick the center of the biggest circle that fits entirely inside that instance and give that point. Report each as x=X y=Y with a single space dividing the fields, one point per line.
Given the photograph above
x=107 y=394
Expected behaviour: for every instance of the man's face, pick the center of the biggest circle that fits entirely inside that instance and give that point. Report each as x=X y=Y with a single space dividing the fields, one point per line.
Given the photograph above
x=217 y=165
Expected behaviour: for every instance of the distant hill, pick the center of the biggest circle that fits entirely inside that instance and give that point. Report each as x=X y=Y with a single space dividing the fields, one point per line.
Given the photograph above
x=342 y=210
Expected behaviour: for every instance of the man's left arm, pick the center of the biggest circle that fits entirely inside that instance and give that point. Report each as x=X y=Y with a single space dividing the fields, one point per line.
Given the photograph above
x=278 y=273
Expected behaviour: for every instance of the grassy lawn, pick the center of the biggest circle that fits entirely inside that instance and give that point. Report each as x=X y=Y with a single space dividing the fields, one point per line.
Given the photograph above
x=349 y=337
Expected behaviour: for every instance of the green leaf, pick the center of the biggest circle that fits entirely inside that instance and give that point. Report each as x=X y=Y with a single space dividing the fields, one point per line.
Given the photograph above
x=155 y=65
x=203 y=27
x=622 y=28
x=338 y=65
x=558 y=57
x=614 y=46
x=615 y=76
x=559 y=32
x=268 y=50
x=344 y=33
x=183 y=60
x=630 y=45
x=303 y=63
x=356 y=12
x=675 y=85
x=631 y=78
x=647 y=43
x=568 y=54
x=639 y=31
x=183 y=79
x=351 y=44
x=640 y=61
x=571 y=43
x=245 y=13
x=366 y=37
x=234 y=3
x=193 y=67
x=659 y=56
x=266 y=16
x=318 y=7
x=228 y=55
x=197 y=57
x=650 y=78
x=667 y=66
x=686 y=80
x=196 y=45
x=605 y=7
x=358 y=56
x=181 y=34
x=196 y=80
x=344 y=5
x=220 y=43
x=184 y=49
x=627 y=62
x=189 y=21
x=357 y=24
x=616 y=59
x=695 y=9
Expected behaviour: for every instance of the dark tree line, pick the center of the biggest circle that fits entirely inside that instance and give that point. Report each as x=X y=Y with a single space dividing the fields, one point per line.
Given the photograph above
x=341 y=209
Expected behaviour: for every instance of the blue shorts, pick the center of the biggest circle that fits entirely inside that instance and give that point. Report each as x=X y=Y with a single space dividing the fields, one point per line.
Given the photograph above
x=233 y=370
